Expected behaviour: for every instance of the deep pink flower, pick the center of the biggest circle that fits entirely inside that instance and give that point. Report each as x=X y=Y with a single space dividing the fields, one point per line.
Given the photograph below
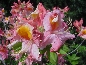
x=3 y=52
x=21 y=8
x=42 y=10
x=1 y=32
x=80 y=29
x=78 y=24
x=1 y=14
x=66 y=9
x=61 y=60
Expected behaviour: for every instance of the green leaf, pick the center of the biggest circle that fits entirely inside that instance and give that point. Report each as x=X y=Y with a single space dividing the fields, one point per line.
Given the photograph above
x=41 y=29
x=53 y=58
x=74 y=62
x=65 y=48
x=62 y=51
x=73 y=59
x=45 y=49
x=24 y=56
x=16 y=47
x=76 y=58
x=49 y=64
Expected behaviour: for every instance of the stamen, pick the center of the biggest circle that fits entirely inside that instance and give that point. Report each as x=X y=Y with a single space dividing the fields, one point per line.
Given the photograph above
x=25 y=32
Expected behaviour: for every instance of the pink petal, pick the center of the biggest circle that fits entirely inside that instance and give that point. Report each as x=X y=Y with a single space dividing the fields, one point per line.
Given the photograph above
x=56 y=44
x=35 y=51
x=46 y=22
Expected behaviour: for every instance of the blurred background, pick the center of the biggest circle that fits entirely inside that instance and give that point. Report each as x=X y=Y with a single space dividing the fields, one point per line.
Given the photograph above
x=77 y=7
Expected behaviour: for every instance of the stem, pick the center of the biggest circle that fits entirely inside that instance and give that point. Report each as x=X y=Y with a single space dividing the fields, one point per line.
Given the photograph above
x=76 y=48
x=3 y=62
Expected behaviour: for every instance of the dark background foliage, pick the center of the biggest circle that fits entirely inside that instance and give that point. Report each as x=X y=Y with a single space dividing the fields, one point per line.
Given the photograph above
x=77 y=7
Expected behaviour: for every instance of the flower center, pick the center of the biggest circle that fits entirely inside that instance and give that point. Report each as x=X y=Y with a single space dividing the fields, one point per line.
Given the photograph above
x=35 y=14
x=54 y=22
x=84 y=31
x=25 y=32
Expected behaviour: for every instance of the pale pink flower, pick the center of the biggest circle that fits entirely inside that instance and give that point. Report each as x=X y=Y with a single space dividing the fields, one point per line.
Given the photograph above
x=54 y=24
x=35 y=52
x=59 y=39
x=20 y=63
x=52 y=20
x=82 y=33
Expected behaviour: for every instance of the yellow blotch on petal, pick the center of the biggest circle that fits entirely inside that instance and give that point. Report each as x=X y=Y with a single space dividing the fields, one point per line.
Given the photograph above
x=25 y=32
x=84 y=31
x=54 y=22
x=35 y=14
x=6 y=18
x=3 y=10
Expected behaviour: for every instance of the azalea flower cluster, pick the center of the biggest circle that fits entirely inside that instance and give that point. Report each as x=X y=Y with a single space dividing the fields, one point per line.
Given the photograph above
x=33 y=30
x=80 y=29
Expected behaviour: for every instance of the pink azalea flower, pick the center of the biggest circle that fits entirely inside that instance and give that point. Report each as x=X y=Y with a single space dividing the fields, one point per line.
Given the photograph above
x=78 y=24
x=9 y=34
x=1 y=14
x=66 y=9
x=24 y=8
x=36 y=29
x=26 y=46
x=52 y=20
x=35 y=52
x=1 y=32
x=31 y=50
x=20 y=63
x=54 y=24
x=59 y=40
x=38 y=15
x=82 y=33
x=61 y=60
x=29 y=60
x=3 y=52
x=42 y=10
x=80 y=29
